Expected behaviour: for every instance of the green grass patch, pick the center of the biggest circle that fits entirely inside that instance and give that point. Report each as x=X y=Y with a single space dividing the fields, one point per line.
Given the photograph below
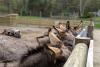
x=34 y=20
x=85 y=19
x=97 y=26
x=30 y=17
x=97 y=19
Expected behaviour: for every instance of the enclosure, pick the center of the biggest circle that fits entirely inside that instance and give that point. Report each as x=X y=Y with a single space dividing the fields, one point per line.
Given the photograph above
x=83 y=41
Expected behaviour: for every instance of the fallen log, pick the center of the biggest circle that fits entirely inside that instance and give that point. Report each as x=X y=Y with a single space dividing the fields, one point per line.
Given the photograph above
x=78 y=56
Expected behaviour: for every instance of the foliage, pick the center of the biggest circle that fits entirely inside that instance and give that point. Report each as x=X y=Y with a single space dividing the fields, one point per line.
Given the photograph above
x=48 y=7
x=97 y=26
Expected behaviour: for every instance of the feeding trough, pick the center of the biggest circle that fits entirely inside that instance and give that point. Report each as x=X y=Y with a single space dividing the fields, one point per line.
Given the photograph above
x=82 y=54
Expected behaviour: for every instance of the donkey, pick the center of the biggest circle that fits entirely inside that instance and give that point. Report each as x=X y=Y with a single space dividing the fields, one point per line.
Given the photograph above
x=40 y=57
x=65 y=35
x=60 y=36
x=56 y=47
x=43 y=56
x=77 y=29
x=12 y=32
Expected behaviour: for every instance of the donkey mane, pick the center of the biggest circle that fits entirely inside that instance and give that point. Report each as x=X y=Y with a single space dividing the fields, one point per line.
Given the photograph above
x=31 y=52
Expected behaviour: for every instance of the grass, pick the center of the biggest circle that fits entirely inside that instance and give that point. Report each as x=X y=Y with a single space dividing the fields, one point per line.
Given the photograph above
x=34 y=20
x=30 y=17
x=97 y=19
x=97 y=26
x=40 y=21
x=27 y=20
x=97 y=22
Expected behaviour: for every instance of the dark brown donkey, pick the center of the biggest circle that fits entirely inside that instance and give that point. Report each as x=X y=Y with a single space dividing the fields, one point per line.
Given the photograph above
x=50 y=53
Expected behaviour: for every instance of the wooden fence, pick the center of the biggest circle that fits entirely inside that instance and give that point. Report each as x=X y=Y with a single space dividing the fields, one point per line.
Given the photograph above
x=15 y=20
x=8 y=19
x=82 y=55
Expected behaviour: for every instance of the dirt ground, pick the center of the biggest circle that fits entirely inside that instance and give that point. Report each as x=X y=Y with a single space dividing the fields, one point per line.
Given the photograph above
x=20 y=46
x=13 y=48
x=96 y=48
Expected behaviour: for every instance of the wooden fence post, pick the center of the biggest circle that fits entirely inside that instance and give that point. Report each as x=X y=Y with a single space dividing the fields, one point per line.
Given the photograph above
x=90 y=30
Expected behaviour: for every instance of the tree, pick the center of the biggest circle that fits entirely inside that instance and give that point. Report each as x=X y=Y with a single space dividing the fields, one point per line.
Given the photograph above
x=48 y=7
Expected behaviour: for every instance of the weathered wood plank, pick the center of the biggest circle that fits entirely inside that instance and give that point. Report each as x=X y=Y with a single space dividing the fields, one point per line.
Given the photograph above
x=85 y=40
x=78 y=56
x=90 y=55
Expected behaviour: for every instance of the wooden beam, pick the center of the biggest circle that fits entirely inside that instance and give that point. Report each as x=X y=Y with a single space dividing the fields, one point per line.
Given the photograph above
x=85 y=40
x=78 y=56
x=90 y=55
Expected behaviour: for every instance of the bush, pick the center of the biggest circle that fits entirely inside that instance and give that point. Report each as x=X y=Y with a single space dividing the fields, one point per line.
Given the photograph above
x=88 y=15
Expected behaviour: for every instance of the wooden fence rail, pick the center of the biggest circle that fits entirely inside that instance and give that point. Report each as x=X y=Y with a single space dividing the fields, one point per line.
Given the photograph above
x=8 y=19
x=90 y=55
x=82 y=55
x=78 y=56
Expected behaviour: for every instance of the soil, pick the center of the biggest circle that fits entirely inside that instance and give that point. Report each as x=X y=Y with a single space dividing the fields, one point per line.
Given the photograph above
x=11 y=48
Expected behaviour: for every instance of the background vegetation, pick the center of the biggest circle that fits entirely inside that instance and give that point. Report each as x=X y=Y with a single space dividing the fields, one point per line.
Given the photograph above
x=38 y=11
x=48 y=8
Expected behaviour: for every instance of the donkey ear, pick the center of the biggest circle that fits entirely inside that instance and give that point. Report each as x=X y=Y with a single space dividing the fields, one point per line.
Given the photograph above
x=68 y=25
x=55 y=29
x=80 y=24
x=49 y=30
x=58 y=30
